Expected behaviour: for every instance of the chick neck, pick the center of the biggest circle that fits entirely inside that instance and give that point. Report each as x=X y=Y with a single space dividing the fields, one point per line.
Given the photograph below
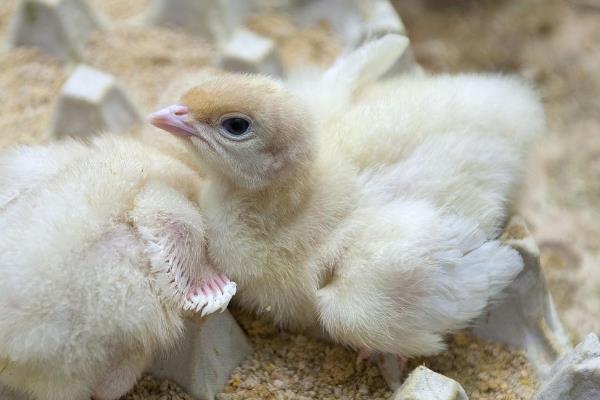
x=278 y=201
x=280 y=243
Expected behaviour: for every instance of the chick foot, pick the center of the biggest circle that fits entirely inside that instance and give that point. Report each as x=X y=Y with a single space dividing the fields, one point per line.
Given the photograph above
x=368 y=355
x=211 y=294
x=401 y=364
x=363 y=355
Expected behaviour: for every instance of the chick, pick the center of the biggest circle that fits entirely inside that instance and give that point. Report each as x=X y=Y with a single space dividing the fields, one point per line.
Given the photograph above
x=388 y=246
x=102 y=253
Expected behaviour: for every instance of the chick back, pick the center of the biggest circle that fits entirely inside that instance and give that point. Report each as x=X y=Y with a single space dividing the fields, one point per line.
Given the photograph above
x=76 y=293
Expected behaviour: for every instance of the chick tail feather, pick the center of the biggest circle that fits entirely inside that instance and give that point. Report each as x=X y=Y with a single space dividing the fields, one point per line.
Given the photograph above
x=475 y=282
x=407 y=306
x=351 y=72
x=365 y=65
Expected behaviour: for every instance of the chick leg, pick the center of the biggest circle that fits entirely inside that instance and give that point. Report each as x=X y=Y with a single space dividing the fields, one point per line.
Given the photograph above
x=175 y=241
x=366 y=354
x=363 y=355
x=213 y=292
x=401 y=363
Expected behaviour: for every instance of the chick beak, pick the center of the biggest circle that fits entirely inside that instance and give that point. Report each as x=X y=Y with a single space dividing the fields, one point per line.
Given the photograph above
x=172 y=119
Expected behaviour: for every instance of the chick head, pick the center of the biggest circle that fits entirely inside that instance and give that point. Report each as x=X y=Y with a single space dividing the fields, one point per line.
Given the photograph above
x=246 y=128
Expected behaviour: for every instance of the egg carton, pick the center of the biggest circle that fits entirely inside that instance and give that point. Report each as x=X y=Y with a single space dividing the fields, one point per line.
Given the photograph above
x=526 y=317
x=206 y=357
x=91 y=101
x=211 y=20
x=60 y=28
x=251 y=53
x=424 y=384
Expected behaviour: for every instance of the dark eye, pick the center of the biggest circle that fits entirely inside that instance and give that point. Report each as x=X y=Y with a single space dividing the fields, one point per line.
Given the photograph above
x=236 y=126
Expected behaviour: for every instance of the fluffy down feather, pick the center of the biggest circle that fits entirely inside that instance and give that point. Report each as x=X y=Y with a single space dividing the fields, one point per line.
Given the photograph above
x=99 y=245
x=379 y=222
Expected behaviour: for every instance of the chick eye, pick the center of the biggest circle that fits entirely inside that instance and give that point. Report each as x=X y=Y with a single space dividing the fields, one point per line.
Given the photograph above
x=236 y=126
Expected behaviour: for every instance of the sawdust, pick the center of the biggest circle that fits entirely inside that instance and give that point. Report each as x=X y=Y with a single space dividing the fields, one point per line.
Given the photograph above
x=298 y=367
x=145 y=59
x=297 y=46
x=150 y=388
x=487 y=371
x=286 y=366
x=117 y=10
x=29 y=81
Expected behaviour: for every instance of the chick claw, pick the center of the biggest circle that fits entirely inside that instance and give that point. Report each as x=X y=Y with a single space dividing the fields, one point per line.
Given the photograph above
x=211 y=295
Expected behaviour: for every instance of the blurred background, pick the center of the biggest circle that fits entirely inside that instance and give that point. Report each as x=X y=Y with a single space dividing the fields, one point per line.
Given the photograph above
x=553 y=43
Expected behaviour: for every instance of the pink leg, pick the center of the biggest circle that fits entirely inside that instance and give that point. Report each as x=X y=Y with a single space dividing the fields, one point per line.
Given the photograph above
x=211 y=293
x=401 y=364
x=362 y=356
x=392 y=367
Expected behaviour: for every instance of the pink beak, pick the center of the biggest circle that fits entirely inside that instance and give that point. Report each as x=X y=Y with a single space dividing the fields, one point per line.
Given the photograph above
x=172 y=119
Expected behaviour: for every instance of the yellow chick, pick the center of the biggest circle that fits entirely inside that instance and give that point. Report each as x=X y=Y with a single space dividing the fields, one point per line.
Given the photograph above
x=102 y=254
x=384 y=240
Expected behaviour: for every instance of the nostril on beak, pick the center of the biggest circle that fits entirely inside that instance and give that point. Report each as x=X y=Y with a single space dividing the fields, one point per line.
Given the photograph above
x=173 y=119
x=180 y=110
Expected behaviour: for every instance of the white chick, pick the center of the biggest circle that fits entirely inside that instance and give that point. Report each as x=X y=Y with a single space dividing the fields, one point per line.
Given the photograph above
x=410 y=125
x=102 y=253
x=385 y=248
